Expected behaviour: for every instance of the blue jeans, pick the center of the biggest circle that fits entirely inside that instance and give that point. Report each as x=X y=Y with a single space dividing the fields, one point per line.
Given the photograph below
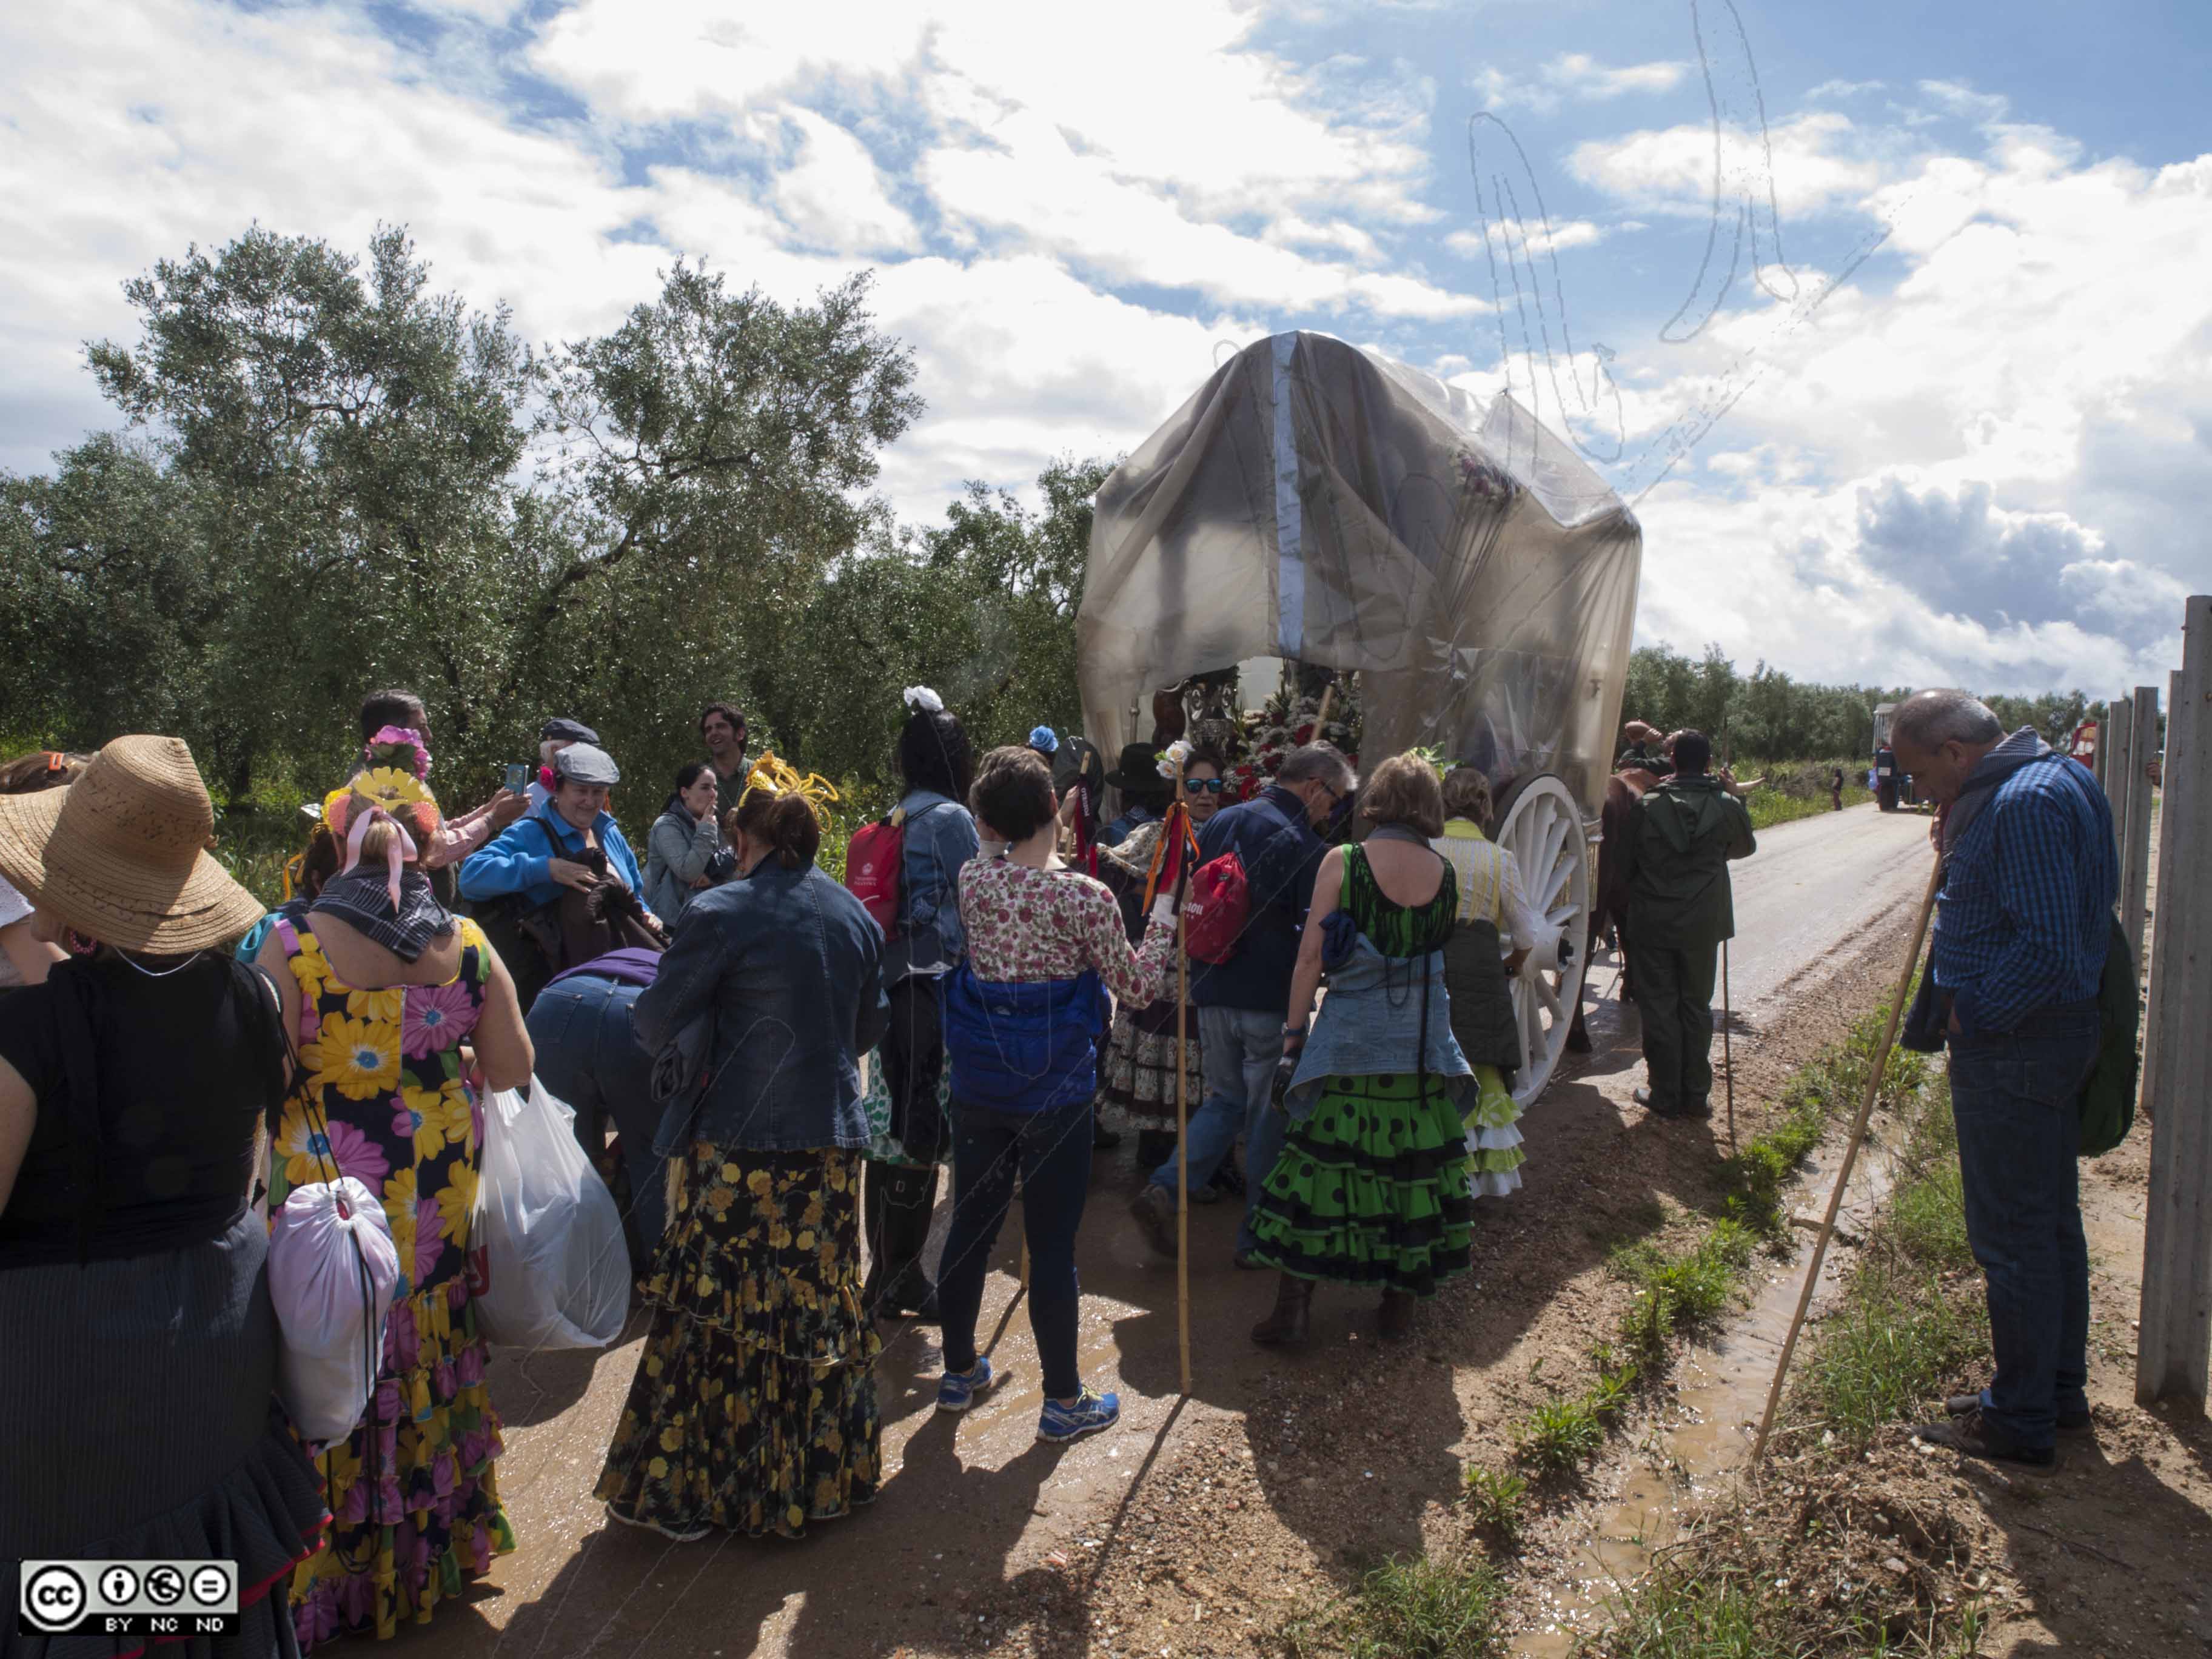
x=588 y=1053
x=1051 y=1150
x=1240 y=1049
x=2015 y=1096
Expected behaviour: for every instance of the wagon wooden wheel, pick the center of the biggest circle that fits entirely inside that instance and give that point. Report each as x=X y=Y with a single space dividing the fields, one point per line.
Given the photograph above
x=1540 y=823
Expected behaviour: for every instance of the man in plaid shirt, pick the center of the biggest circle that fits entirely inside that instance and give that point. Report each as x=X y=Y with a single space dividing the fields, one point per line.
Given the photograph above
x=2029 y=881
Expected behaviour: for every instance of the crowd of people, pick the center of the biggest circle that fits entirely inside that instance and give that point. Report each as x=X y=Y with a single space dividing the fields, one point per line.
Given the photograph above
x=769 y=1065
x=786 y=1059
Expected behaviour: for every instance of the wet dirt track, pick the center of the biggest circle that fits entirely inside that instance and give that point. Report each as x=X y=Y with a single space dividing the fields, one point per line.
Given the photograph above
x=970 y=1506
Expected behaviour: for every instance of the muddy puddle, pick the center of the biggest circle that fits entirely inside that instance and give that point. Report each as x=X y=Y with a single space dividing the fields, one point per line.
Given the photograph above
x=1703 y=1437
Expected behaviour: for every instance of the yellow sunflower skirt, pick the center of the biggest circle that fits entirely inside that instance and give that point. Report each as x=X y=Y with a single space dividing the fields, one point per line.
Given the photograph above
x=754 y=1407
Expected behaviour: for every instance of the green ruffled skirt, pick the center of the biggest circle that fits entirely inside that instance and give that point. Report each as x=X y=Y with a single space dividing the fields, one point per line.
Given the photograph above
x=754 y=1406
x=1372 y=1188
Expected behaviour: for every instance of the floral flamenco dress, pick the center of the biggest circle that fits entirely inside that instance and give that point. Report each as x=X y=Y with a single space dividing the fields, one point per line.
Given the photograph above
x=1372 y=1186
x=413 y=1489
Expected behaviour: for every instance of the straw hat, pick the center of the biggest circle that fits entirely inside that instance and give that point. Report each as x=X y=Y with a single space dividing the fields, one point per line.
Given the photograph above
x=121 y=855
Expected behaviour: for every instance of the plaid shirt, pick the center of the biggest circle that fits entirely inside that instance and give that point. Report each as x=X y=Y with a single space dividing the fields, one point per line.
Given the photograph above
x=2027 y=898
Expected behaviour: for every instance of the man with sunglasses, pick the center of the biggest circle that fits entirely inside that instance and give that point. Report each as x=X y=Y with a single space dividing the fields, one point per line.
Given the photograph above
x=1242 y=1002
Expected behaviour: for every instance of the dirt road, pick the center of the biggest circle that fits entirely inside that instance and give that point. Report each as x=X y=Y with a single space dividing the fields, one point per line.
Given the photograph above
x=976 y=1517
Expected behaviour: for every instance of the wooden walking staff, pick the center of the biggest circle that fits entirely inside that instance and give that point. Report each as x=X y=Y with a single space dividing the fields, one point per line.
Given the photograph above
x=1178 y=825
x=1727 y=1049
x=1850 y=1156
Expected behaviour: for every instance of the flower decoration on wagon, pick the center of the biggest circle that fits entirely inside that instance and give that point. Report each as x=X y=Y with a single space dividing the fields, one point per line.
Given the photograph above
x=774 y=775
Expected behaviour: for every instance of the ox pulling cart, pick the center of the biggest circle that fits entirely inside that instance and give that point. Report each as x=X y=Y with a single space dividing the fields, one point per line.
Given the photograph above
x=1324 y=505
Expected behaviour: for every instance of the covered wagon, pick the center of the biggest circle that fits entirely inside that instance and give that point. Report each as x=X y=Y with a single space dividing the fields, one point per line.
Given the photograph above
x=1322 y=504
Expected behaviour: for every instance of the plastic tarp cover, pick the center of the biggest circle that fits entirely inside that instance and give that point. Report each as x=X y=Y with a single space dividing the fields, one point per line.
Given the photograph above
x=1315 y=502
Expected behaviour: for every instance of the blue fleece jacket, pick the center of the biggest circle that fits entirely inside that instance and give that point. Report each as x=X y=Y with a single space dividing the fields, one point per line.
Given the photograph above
x=516 y=862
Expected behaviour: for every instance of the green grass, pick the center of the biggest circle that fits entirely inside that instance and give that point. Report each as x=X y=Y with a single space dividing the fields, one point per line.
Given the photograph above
x=1911 y=1321
x=1905 y=1325
x=1497 y=1501
x=1561 y=1434
x=1405 y=1610
x=1721 y=1613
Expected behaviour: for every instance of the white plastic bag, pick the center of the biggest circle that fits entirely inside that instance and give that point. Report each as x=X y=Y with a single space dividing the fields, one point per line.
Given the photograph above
x=332 y=1269
x=555 y=1271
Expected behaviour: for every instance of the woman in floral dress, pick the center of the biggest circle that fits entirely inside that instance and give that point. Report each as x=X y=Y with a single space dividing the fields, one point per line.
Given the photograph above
x=380 y=986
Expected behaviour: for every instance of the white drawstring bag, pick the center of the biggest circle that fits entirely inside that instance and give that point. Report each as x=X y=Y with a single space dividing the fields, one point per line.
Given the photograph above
x=332 y=1270
x=553 y=1271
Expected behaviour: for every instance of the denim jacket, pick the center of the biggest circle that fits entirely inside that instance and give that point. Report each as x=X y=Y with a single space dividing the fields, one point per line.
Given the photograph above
x=1370 y=1025
x=940 y=837
x=789 y=968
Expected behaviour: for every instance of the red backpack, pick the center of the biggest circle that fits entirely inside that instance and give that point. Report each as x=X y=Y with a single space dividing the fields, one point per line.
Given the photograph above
x=873 y=860
x=1216 y=909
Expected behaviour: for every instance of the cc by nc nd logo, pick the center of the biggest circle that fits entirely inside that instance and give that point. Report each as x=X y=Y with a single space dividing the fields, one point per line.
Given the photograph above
x=54 y=1597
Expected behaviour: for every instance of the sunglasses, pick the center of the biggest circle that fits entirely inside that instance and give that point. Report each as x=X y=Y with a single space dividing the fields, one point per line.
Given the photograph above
x=1204 y=785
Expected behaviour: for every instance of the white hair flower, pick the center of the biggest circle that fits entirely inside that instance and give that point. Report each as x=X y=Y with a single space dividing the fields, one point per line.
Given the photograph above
x=922 y=697
x=1175 y=757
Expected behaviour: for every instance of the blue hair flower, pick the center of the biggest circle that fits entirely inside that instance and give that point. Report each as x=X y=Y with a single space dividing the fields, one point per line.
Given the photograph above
x=1042 y=740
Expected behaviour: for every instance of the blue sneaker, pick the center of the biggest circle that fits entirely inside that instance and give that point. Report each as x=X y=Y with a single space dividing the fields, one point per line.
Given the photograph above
x=956 y=1390
x=1090 y=1414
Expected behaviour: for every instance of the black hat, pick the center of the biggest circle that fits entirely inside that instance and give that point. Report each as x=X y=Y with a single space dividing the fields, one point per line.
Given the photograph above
x=558 y=730
x=1139 y=770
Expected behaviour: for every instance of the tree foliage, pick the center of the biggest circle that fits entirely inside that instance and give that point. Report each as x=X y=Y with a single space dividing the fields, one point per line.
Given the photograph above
x=332 y=476
x=1770 y=715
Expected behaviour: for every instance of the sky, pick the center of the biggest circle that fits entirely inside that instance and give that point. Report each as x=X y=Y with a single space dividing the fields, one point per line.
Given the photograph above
x=1891 y=320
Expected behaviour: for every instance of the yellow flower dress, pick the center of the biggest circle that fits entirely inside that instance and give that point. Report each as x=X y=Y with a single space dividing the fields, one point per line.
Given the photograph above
x=413 y=1490
x=754 y=1406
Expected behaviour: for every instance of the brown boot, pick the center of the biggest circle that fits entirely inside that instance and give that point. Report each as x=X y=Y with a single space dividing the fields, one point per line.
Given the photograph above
x=1286 y=1327
x=1396 y=1318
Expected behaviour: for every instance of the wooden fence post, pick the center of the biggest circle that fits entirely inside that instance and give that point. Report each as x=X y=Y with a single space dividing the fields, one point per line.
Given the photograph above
x=2150 y=1090
x=2135 y=845
x=2119 y=715
x=2175 y=1342
x=2104 y=748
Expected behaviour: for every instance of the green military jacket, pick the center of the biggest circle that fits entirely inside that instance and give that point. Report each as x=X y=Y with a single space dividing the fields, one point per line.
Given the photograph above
x=1684 y=832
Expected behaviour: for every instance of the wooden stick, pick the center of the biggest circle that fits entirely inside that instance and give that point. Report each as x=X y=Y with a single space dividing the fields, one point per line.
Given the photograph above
x=1727 y=1049
x=1850 y=1157
x=1327 y=696
x=1025 y=1252
x=1180 y=826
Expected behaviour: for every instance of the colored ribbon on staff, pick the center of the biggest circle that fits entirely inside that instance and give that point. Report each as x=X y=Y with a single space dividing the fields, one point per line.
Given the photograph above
x=1173 y=855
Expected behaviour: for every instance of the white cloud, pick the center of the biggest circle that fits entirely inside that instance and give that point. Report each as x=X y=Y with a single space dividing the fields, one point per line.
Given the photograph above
x=1817 y=161
x=1576 y=76
x=1957 y=98
x=829 y=190
x=1568 y=232
x=1844 y=89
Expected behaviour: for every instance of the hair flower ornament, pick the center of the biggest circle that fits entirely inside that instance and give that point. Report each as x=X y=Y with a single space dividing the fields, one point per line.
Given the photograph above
x=400 y=745
x=1044 y=740
x=1175 y=757
x=922 y=697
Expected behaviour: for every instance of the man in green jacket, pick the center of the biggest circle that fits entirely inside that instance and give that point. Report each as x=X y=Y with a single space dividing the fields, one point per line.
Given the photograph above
x=1679 y=909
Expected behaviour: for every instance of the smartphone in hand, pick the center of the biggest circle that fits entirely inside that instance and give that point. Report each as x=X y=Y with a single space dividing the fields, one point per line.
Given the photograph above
x=518 y=778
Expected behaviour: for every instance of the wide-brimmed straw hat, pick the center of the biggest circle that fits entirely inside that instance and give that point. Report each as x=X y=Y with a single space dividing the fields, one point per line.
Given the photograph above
x=121 y=855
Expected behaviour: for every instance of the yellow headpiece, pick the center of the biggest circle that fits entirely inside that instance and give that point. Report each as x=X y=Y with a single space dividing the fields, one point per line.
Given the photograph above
x=778 y=777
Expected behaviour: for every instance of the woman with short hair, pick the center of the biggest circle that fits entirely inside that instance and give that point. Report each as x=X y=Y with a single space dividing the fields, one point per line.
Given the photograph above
x=1022 y=1019
x=754 y=1406
x=1372 y=1187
